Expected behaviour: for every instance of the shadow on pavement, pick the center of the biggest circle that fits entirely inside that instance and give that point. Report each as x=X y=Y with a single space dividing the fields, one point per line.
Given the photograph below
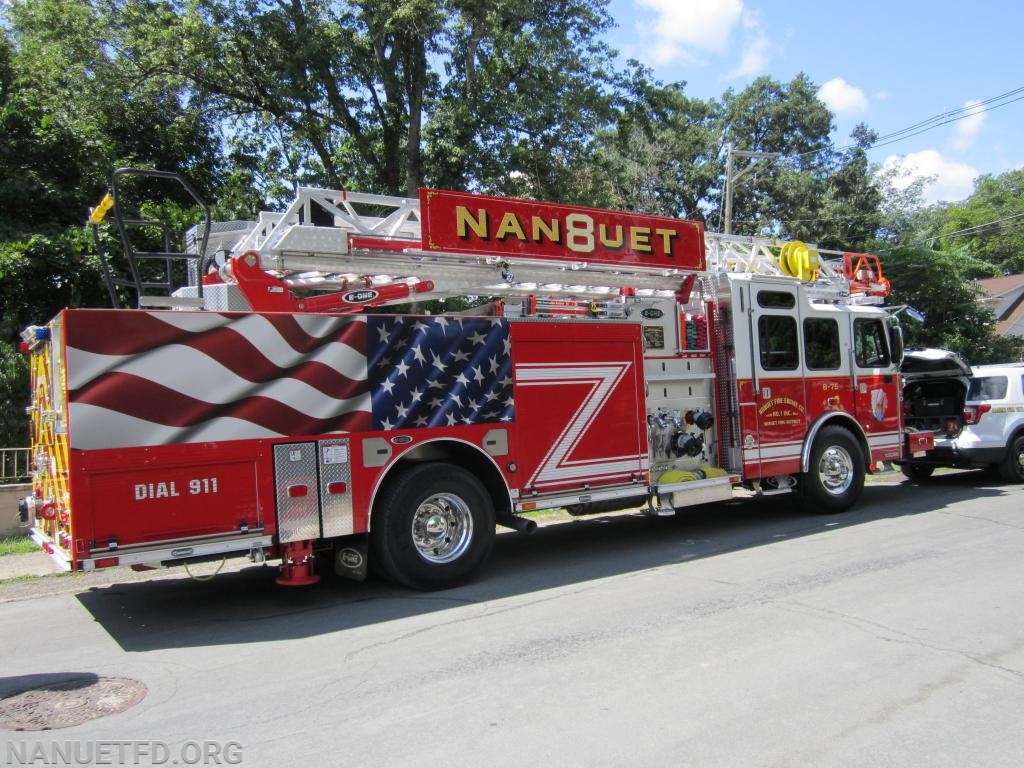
x=247 y=606
x=45 y=681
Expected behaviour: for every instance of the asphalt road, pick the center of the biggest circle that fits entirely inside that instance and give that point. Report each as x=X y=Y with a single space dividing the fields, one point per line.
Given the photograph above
x=733 y=635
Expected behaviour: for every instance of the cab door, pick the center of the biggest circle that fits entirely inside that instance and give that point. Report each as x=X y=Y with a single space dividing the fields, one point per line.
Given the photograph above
x=876 y=385
x=779 y=377
x=827 y=359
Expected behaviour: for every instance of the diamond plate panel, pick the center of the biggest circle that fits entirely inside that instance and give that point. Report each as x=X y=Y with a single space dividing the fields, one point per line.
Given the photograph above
x=220 y=297
x=336 y=488
x=297 y=490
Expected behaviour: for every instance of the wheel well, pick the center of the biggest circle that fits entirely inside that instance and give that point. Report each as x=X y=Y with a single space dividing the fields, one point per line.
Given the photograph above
x=835 y=420
x=464 y=455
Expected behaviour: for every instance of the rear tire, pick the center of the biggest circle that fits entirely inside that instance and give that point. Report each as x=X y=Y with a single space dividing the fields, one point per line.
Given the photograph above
x=836 y=472
x=1011 y=468
x=433 y=527
x=917 y=472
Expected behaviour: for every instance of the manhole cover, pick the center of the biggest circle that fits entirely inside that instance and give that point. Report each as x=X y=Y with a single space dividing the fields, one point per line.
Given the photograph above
x=69 y=702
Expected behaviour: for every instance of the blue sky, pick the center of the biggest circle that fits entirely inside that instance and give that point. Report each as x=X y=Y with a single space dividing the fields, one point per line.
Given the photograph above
x=890 y=65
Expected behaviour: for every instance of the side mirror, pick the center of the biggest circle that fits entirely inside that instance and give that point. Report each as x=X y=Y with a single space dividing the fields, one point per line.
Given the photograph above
x=896 y=345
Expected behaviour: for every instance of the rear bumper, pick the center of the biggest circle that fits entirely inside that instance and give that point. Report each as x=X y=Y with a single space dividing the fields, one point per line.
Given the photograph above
x=951 y=454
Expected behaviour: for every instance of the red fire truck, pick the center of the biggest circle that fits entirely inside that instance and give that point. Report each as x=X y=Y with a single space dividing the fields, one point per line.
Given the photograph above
x=273 y=408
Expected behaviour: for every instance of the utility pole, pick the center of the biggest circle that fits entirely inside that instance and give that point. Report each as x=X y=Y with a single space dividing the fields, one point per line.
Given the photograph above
x=732 y=175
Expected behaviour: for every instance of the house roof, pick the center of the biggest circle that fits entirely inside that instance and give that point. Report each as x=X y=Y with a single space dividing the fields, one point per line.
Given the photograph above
x=1000 y=286
x=1011 y=289
x=1004 y=325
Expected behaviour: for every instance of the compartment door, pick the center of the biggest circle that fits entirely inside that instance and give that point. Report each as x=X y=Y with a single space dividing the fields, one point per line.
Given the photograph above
x=580 y=413
x=312 y=483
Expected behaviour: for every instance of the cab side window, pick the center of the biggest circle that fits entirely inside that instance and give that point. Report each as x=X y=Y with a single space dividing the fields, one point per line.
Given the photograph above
x=870 y=346
x=778 y=342
x=821 y=343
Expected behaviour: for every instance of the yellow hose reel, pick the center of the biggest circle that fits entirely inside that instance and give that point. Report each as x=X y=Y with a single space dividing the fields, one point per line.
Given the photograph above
x=799 y=260
x=682 y=475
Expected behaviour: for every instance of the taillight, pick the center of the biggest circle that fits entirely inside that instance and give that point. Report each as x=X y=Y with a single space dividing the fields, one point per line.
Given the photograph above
x=973 y=413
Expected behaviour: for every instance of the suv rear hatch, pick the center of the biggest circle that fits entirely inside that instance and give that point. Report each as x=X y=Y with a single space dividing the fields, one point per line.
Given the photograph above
x=935 y=384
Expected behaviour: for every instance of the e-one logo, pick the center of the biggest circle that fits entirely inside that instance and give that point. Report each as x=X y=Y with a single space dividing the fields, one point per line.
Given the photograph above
x=359 y=297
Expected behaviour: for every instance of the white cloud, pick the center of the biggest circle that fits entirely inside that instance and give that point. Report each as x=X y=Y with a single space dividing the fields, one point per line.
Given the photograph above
x=966 y=130
x=683 y=28
x=842 y=98
x=755 y=54
x=953 y=181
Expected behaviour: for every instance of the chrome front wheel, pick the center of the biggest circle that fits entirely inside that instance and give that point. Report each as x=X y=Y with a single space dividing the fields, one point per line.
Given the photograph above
x=835 y=476
x=835 y=470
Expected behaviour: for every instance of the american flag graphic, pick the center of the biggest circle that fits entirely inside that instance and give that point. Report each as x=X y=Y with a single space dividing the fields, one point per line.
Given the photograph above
x=439 y=371
x=156 y=378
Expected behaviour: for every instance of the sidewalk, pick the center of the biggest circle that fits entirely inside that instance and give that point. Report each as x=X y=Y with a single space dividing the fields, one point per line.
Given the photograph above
x=36 y=574
x=27 y=564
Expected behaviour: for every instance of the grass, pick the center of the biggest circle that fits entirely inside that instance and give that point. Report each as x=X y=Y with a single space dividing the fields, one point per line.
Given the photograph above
x=21 y=579
x=533 y=515
x=17 y=545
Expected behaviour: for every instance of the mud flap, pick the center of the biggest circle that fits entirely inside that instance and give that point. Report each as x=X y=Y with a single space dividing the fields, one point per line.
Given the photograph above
x=350 y=558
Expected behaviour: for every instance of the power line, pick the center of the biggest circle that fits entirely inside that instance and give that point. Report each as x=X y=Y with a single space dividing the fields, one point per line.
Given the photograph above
x=880 y=143
x=943 y=118
x=936 y=121
x=948 y=116
x=975 y=228
x=855 y=216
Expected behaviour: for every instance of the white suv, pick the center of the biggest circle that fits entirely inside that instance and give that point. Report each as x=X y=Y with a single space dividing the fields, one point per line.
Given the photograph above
x=993 y=431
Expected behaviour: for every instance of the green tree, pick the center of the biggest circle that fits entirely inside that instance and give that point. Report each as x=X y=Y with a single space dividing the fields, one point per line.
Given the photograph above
x=385 y=94
x=849 y=214
x=661 y=156
x=72 y=108
x=13 y=396
x=812 y=191
x=523 y=88
x=990 y=223
x=788 y=119
x=905 y=218
x=940 y=284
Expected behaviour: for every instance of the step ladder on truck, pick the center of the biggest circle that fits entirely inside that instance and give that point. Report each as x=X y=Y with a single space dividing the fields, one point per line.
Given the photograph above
x=291 y=397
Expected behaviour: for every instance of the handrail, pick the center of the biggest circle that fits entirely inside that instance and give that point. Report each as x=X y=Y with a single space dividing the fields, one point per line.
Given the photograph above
x=14 y=465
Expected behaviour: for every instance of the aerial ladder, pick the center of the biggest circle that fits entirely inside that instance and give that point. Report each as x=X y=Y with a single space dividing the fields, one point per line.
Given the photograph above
x=340 y=251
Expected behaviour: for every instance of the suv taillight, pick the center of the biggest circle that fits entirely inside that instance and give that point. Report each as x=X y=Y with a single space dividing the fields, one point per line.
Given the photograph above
x=973 y=413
